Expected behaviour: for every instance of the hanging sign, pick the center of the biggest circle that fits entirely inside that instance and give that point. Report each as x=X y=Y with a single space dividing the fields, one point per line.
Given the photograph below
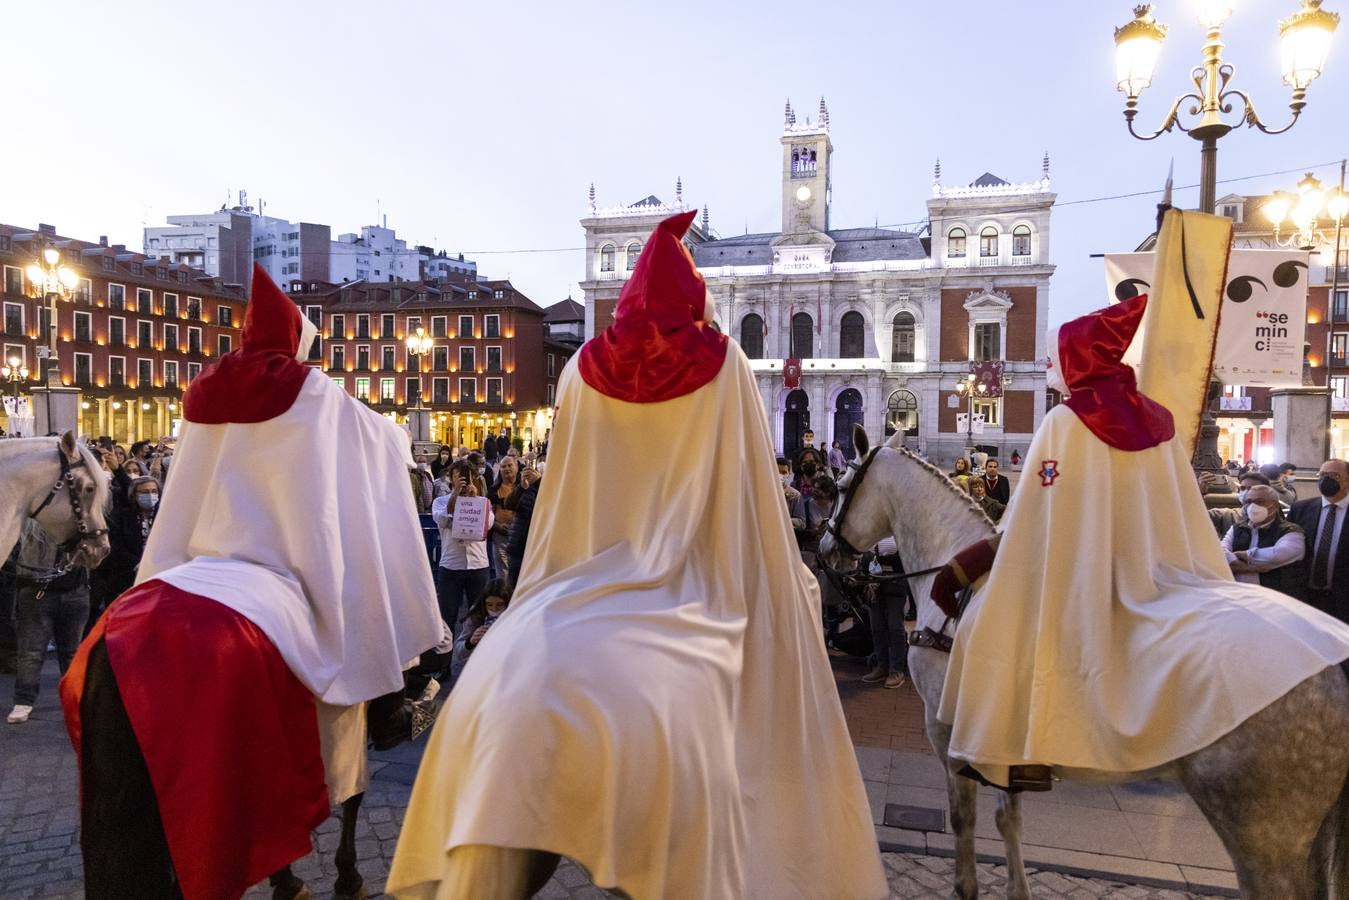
x=1262 y=327
x=791 y=373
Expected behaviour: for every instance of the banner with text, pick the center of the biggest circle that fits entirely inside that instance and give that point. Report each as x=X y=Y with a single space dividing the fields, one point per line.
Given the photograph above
x=1261 y=332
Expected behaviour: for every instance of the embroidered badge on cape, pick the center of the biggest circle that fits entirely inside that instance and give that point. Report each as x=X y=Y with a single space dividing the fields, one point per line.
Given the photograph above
x=1049 y=470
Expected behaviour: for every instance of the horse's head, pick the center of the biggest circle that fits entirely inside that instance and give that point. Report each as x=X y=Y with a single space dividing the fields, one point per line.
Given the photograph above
x=891 y=492
x=862 y=517
x=73 y=512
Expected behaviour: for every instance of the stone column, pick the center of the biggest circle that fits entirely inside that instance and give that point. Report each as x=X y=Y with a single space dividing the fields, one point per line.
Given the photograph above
x=419 y=424
x=1300 y=425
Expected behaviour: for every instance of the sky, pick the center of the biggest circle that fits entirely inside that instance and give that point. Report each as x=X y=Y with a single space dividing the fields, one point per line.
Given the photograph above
x=479 y=127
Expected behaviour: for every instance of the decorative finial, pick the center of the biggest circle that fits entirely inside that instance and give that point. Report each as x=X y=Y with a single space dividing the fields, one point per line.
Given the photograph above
x=592 y=196
x=790 y=116
x=1046 y=165
x=679 y=190
x=824 y=113
x=936 y=172
x=706 y=221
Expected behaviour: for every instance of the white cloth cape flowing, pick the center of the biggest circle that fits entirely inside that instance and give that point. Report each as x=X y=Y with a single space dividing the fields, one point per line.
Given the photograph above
x=304 y=524
x=1110 y=634
x=657 y=702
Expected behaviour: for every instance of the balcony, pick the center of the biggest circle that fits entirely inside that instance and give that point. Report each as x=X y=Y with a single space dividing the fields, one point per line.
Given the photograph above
x=1331 y=275
x=990 y=261
x=1023 y=260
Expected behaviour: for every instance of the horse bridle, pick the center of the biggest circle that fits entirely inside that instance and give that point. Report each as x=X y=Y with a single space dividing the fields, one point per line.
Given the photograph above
x=67 y=481
x=926 y=637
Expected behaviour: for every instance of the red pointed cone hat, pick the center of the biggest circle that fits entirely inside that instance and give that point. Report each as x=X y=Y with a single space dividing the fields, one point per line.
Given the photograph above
x=261 y=379
x=1102 y=388
x=660 y=346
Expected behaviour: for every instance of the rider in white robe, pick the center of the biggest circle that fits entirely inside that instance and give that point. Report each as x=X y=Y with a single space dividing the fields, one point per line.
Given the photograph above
x=657 y=702
x=1110 y=634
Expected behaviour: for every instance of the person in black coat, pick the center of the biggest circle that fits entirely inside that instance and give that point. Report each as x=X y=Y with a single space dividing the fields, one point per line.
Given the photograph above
x=996 y=484
x=515 y=546
x=503 y=446
x=1323 y=575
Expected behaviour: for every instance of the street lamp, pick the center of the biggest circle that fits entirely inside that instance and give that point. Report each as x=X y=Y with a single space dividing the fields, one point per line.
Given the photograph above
x=51 y=282
x=1304 y=39
x=419 y=345
x=1303 y=211
x=15 y=373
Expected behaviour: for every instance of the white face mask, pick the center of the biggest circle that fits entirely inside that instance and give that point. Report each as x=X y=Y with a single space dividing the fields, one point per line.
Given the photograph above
x=1257 y=514
x=1054 y=373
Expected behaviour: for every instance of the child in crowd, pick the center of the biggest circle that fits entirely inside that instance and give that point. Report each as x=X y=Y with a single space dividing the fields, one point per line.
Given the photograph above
x=496 y=597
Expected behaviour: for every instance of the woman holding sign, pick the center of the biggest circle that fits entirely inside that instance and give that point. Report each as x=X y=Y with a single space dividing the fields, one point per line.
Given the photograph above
x=464 y=517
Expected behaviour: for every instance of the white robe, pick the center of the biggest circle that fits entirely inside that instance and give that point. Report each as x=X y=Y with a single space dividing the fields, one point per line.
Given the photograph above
x=657 y=702
x=305 y=525
x=1110 y=634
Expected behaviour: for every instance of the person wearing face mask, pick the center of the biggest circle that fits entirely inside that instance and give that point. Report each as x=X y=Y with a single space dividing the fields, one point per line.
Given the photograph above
x=129 y=526
x=1263 y=545
x=809 y=465
x=1324 y=573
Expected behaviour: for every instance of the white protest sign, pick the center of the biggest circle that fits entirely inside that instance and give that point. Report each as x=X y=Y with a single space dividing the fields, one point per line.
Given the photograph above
x=470 y=519
x=1261 y=331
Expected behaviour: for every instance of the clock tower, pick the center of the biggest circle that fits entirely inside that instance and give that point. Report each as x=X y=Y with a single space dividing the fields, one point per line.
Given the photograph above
x=806 y=185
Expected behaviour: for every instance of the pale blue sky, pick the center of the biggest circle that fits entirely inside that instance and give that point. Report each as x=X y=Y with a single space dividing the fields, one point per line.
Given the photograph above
x=480 y=126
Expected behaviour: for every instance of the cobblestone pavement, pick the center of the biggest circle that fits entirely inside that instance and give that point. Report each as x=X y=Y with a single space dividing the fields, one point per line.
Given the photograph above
x=39 y=841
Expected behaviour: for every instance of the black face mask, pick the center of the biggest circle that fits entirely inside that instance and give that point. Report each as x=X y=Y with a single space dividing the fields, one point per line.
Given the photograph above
x=1328 y=485
x=808 y=468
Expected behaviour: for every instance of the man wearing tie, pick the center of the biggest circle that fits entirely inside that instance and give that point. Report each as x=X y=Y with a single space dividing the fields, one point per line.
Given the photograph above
x=1326 y=573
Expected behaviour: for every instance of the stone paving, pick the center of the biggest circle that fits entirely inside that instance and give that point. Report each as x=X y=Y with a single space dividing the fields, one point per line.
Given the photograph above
x=39 y=842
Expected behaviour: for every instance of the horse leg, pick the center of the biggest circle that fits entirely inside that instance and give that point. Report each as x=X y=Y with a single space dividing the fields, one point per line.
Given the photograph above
x=285 y=886
x=1008 y=818
x=349 y=884
x=962 y=792
x=1270 y=787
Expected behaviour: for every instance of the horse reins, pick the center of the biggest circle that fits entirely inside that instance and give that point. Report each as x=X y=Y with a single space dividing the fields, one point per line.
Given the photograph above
x=67 y=480
x=925 y=637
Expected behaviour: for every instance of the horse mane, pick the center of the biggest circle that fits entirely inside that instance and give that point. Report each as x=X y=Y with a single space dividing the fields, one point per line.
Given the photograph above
x=950 y=485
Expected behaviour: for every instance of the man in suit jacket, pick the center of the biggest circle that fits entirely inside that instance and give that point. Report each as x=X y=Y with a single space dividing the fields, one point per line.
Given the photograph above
x=995 y=484
x=1324 y=574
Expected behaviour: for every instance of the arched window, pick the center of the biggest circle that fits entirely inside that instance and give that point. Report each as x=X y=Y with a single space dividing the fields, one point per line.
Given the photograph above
x=955 y=242
x=902 y=342
x=901 y=414
x=988 y=241
x=803 y=336
x=847 y=413
x=751 y=336
x=607 y=258
x=851 y=336
x=634 y=250
x=1021 y=240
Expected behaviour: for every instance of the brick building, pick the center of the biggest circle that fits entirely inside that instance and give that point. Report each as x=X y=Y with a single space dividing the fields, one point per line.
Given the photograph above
x=491 y=367
x=136 y=332
x=884 y=321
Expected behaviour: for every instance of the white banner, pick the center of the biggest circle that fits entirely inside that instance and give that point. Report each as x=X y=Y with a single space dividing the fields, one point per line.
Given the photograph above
x=963 y=423
x=1262 y=329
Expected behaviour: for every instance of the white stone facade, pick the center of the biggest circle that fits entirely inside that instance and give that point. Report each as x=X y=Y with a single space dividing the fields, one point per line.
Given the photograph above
x=951 y=307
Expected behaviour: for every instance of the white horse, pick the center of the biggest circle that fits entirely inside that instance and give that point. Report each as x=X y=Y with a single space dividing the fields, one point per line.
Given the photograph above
x=61 y=484
x=1276 y=789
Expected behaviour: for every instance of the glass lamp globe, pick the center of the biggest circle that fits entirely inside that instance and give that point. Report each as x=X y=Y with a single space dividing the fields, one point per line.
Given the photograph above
x=1304 y=42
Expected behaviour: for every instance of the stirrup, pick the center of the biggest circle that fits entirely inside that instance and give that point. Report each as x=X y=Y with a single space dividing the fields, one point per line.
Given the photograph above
x=1030 y=778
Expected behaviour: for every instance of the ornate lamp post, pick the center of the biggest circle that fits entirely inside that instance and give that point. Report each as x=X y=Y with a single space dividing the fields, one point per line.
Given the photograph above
x=49 y=282
x=420 y=344
x=15 y=373
x=1304 y=39
x=1296 y=218
x=973 y=388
